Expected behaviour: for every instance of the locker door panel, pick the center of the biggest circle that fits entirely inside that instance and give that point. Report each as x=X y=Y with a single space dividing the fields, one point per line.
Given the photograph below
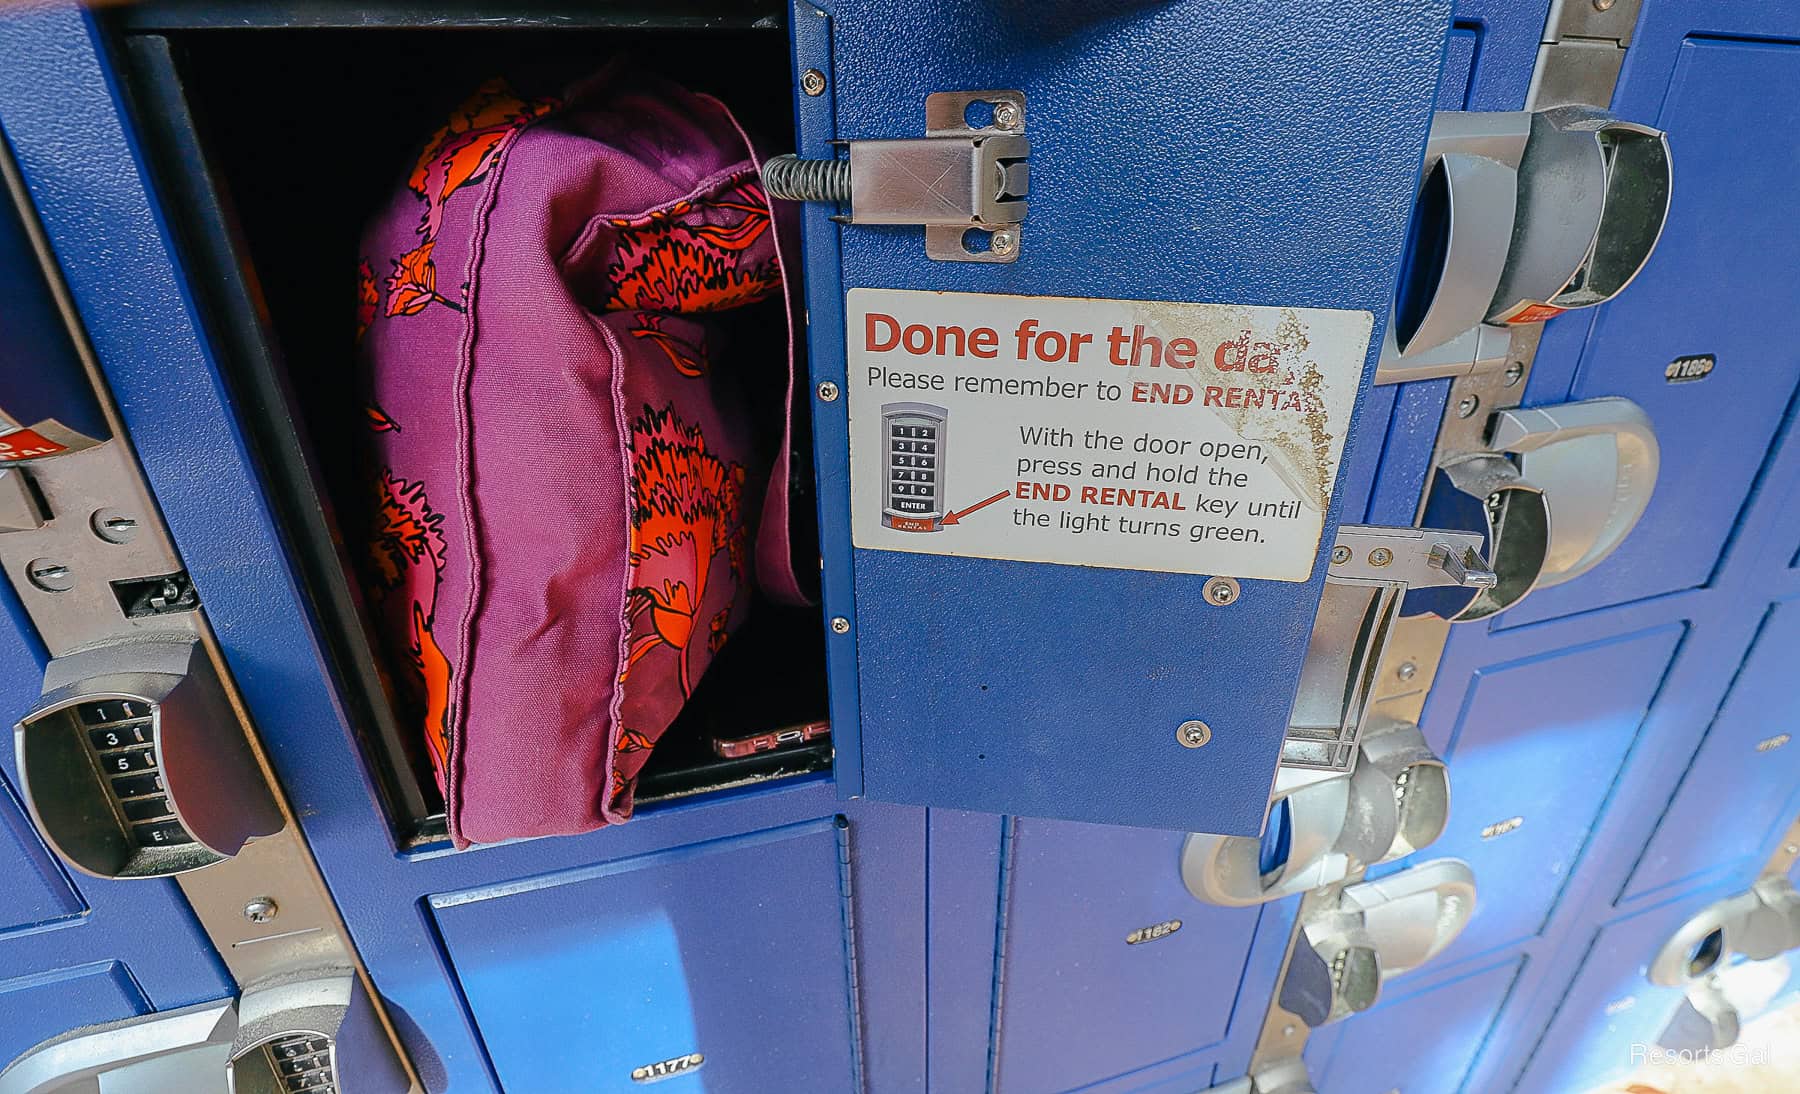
x=1110 y=964
x=1722 y=99
x=1056 y=690
x=1611 y=1006
x=1418 y=1039
x=736 y=951
x=1742 y=778
x=1533 y=755
x=47 y=1004
x=37 y=894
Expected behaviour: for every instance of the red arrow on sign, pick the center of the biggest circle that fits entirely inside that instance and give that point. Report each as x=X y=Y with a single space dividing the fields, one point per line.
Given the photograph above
x=957 y=516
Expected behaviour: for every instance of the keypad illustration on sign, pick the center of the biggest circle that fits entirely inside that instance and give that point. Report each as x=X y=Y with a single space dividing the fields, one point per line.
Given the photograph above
x=915 y=451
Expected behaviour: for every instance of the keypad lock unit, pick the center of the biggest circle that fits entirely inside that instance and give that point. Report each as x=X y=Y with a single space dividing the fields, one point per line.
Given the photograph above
x=312 y=1034
x=1557 y=491
x=1375 y=931
x=1520 y=217
x=134 y=764
x=1758 y=924
x=309 y=1033
x=1325 y=827
x=170 y=1052
x=914 y=466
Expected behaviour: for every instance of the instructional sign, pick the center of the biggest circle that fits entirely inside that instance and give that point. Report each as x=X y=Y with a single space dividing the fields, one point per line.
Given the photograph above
x=1188 y=438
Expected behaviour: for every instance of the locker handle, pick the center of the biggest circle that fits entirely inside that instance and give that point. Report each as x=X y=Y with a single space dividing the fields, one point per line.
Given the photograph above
x=1597 y=461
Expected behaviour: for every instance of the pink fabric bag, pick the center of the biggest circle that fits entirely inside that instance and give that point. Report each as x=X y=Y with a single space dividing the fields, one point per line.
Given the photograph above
x=567 y=489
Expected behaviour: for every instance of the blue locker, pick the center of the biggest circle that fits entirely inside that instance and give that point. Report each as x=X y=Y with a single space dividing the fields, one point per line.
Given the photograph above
x=658 y=974
x=1679 y=653
x=1718 y=96
x=1741 y=750
x=1012 y=722
x=1109 y=964
x=1460 y=1010
x=983 y=891
x=1521 y=810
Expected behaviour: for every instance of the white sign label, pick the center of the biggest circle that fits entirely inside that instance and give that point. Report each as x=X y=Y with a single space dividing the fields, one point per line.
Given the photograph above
x=1188 y=438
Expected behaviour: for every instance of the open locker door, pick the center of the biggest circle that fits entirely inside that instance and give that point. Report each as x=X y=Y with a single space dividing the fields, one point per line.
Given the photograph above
x=1078 y=437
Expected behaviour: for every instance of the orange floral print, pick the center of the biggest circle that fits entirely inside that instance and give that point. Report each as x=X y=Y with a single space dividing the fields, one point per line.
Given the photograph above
x=367 y=299
x=630 y=740
x=413 y=284
x=621 y=787
x=721 y=621
x=687 y=257
x=407 y=552
x=434 y=669
x=468 y=144
x=686 y=508
x=689 y=358
x=378 y=420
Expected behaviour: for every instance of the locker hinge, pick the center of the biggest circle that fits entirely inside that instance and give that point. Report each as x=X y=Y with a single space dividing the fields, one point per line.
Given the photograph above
x=1582 y=50
x=965 y=180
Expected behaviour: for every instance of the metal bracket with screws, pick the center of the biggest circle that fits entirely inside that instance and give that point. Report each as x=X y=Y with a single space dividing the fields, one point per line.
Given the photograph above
x=1372 y=569
x=965 y=181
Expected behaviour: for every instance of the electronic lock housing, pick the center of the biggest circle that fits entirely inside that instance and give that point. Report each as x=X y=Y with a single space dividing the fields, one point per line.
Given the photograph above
x=1520 y=217
x=312 y=1032
x=1327 y=826
x=1372 y=932
x=1757 y=924
x=1556 y=490
x=134 y=763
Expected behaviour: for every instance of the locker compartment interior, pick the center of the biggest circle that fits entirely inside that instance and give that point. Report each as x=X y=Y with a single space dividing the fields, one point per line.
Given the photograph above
x=286 y=141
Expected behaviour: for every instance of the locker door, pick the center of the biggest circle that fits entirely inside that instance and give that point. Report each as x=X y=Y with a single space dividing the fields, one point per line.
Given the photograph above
x=74 y=951
x=1008 y=664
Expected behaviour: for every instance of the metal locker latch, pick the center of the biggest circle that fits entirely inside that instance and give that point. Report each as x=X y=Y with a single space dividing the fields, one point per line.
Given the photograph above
x=1396 y=802
x=1760 y=923
x=1520 y=217
x=312 y=1033
x=1557 y=491
x=1377 y=930
x=1372 y=570
x=965 y=180
x=134 y=764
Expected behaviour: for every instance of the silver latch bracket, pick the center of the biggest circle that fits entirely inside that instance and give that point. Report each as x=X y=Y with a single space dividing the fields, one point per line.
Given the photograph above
x=964 y=181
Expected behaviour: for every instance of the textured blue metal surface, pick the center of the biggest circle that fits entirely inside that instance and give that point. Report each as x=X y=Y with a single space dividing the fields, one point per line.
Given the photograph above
x=1742 y=776
x=1055 y=691
x=1421 y=1038
x=1541 y=739
x=40 y=372
x=624 y=969
x=1080 y=1002
x=1611 y=1005
x=1588 y=713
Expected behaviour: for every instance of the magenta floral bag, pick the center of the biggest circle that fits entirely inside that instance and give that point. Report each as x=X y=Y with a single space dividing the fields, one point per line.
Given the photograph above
x=566 y=491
